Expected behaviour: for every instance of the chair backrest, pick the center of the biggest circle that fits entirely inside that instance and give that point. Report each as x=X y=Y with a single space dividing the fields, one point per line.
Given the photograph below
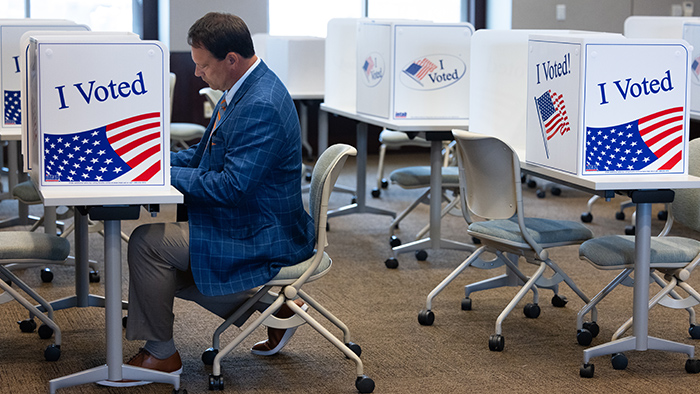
x=173 y=79
x=489 y=172
x=686 y=204
x=213 y=96
x=323 y=178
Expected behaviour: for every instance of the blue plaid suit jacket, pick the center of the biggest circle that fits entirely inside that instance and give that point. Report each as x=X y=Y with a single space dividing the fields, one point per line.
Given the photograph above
x=243 y=190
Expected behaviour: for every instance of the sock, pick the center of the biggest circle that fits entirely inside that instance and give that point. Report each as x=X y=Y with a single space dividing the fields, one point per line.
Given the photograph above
x=161 y=349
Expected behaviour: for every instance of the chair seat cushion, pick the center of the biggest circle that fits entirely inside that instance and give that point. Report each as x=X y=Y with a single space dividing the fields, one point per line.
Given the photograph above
x=617 y=251
x=25 y=245
x=543 y=231
x=186 y=130
x=399 y=138
x=293 y=272
x=26 y=193
x=419 y=176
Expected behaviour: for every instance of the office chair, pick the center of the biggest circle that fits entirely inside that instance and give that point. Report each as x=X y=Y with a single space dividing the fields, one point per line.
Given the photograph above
x=490 y=188
x=394 y=140
x=27 y=248
x=291 y=279
x=672 y=257
x=181 y=133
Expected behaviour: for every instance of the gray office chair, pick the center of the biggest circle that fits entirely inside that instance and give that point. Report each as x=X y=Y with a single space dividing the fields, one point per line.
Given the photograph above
x=20 y=248
x=390 y=139
x=291 y=279
x=672 y=257
x=182 y=133
x=490 y=188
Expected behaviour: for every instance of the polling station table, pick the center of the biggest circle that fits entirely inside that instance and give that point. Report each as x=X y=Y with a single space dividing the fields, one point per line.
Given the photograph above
x=436 y=131
x=111 y=207
x=644 y=191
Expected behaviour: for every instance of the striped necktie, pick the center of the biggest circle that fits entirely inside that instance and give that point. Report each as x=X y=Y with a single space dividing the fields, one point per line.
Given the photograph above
x=219 y=114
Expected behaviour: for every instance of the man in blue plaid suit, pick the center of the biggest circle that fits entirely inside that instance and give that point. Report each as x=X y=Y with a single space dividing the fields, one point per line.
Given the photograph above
x=242 y=189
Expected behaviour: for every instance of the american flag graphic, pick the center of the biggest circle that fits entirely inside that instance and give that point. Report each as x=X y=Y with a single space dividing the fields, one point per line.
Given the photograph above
x=654 y=142
x=12 y=110
x=128 y=150
x=552 y=112
x=696 y=68
x=368 y=66
x=418 y=70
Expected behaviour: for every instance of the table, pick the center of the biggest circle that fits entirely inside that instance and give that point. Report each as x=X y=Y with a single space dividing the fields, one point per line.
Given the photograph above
x=436 y=131
x=644 y=191
x=111 y=207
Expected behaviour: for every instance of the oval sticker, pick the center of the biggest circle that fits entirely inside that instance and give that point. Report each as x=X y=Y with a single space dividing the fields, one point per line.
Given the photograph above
x=432 y=72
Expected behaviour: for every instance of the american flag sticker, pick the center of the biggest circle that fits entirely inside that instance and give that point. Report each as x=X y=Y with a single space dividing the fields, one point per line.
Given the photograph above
x=419 y=69
x=12 y=108
x=650 y=143
x=554 y=121
x=127 y=150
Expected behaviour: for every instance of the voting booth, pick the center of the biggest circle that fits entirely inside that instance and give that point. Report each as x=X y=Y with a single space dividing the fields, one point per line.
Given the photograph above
x=98 y=112
x=687 y=28
x=601 y=105
x=11 y=30
x=340 y=54
x=413 y=69
x=298 y=61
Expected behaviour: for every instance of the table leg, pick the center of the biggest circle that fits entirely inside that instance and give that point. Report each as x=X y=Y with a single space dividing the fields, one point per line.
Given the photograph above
x=360 y=206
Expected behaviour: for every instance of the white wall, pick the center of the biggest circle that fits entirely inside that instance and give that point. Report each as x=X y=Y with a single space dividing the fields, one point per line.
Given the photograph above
x=183 y=13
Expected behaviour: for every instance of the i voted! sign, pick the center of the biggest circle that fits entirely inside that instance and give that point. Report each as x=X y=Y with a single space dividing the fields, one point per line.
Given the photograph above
x=103 y=121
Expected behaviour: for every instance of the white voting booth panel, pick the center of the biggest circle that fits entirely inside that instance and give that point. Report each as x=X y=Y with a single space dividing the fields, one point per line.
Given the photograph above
x=297 y=61
x=413 y=69
x=11 y=30
x=687 y=28
x=340 y=52
x=98 y=113
x=602 y=105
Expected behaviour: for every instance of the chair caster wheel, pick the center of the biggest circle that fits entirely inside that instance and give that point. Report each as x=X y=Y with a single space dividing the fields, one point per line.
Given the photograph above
x=364 y=384
x=531 y=184
x=394 y=241
x=694 y=331
x=540 y=193
x=559 y=301
x=216 y=382
x=421 y=255
x=28 y=325
x=619 y=361
x=692 y=365
x=620 y=215
x=662 y=215
x=376 y=193
x=94 y=277
x=496 y=343
x=124 y=320
x=629 y=230
x=584 y=337
x=45 y=332
x=592 y=327
x=183 y=391
x=355 y=348
x=531 y=311
x=466 y=304
x=426 y=318
x=353 y=200
x=587 y=370
x=52 y=353
x=385 y=184
x=586 y=217
x=209 y=355
x=556 y=191
x=46 y=275
x=391 y=262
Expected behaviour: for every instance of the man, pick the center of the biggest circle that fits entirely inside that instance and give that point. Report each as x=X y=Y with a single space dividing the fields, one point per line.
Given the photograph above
x=242 y=189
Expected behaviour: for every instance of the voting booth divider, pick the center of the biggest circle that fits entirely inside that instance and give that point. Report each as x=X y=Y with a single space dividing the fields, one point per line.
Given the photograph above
x=340 y=77
x=687 y=28
x=97 y=113
x=602 y=105
x=298 y=61
x=413 y=69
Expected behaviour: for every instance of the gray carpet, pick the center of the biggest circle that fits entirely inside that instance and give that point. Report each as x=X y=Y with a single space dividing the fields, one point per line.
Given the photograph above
x=380 y=307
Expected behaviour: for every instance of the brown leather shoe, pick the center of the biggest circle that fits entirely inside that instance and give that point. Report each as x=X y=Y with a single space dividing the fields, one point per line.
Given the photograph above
x=144 y=359
x=277 y=338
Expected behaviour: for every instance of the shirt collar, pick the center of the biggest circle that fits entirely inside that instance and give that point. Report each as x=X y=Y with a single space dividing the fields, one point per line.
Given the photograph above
x=229 y=93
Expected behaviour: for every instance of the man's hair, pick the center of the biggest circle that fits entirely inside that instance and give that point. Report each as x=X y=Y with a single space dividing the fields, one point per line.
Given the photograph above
x=221 y=33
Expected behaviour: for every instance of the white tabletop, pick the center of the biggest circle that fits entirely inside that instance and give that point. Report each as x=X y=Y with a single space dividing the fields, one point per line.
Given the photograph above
x=11 y=134
x=306 y=95
x=617 y=182
x=438 y=124
x=109 y=196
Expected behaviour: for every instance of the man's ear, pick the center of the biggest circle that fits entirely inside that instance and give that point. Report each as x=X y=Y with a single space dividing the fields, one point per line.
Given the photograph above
x=231 y=58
